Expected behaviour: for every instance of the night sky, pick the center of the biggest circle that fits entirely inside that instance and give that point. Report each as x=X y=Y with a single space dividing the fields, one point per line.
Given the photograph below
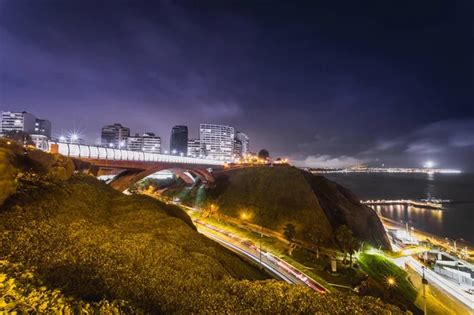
x=329 y=83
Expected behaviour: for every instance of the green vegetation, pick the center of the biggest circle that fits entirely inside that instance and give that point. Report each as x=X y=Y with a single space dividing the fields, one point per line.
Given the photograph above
x=85 y=247
x=275 y=196
x=347 y=242
x=401 y=292
x=289 y=232
x=22 y=292
x=7 y=175
x=263 y=154
x=271 y=198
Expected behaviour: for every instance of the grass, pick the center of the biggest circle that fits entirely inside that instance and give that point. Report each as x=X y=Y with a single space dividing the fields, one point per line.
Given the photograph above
x=381 y=269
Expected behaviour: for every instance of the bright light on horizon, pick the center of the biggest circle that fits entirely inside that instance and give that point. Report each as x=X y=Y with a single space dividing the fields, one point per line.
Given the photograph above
x=429 y=164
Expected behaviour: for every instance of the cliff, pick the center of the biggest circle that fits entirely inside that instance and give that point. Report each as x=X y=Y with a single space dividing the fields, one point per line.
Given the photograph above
x=273 y=197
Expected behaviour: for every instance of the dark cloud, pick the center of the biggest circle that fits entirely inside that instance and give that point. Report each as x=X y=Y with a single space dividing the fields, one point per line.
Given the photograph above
x=363 y=77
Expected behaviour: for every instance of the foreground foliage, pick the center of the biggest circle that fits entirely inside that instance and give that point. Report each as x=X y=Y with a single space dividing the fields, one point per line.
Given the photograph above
x=83 y=245
x=22 y=292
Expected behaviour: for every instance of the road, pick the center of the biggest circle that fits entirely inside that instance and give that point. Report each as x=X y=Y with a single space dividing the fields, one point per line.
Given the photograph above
x=270 y=262
x=437 y=280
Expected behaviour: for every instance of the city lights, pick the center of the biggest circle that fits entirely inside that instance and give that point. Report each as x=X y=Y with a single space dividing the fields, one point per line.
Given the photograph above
x=429 y=164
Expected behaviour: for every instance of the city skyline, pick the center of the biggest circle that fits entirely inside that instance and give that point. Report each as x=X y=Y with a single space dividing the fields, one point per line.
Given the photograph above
x=324 y=92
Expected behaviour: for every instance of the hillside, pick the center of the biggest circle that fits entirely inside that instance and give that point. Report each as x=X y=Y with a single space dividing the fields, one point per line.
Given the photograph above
x=273 y=197
x=71 y=242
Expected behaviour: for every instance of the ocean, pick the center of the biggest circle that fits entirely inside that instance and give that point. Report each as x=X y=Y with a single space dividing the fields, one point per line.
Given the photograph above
x=456 y=221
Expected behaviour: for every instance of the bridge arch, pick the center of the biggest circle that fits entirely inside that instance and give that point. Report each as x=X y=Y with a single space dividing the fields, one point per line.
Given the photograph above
x=128 y=178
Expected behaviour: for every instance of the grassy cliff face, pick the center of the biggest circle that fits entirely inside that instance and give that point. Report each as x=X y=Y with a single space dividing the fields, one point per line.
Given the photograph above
x=273 y=197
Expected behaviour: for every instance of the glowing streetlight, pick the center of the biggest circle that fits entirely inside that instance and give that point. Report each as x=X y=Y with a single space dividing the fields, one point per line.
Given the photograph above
x=391 y=281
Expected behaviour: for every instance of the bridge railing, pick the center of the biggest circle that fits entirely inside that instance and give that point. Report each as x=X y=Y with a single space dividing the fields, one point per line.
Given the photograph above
x=102 y=153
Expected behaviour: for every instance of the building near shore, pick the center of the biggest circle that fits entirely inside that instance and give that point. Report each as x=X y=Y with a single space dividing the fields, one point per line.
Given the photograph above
x=148 y=142
x=114 y=136
x=39 y=130
x=43 y=127
x=237 y=149
x=179 y=140
x=194 y=148
x=24 y=122
x=151 y=143
x=244 y=141
x=217 y=141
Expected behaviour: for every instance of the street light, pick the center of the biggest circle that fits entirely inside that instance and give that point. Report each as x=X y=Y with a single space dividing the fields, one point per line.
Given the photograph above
x=391 y=281
x=454 y=242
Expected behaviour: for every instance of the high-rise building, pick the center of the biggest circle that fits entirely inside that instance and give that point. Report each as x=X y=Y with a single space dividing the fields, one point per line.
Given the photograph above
x=135 y=143
x=43 y=127
x=151 y=143
x=17 y=121
x=245 y=142
x=147 y=142
x=237 y=149
x=194 y=148
x=217 y=141
x=179 y=140
x=115 y=136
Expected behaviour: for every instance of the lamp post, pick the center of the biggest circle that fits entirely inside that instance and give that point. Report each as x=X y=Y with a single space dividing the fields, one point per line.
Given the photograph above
x=454 y=242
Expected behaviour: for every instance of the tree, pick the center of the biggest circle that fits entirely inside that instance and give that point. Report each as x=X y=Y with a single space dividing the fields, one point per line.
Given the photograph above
x=263 y=154
x=352 y=247
x=315 y=236
x=289 y=232
x=20 y=137
x=344 y=237
x=8 y=173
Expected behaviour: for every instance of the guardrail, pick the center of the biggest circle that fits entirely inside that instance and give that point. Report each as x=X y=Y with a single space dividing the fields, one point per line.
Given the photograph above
x=111 y=154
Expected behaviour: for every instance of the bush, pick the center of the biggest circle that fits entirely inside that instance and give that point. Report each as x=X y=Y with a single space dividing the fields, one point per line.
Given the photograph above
x=7 y=175
x=42 y=161
x=21 y=291
x=62 y=169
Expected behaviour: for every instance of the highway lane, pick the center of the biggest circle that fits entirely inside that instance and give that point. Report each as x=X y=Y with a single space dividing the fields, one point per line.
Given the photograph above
x=270 y=262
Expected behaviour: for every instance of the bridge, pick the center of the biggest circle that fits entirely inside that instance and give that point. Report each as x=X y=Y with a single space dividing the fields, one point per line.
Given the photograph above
x=132 y=166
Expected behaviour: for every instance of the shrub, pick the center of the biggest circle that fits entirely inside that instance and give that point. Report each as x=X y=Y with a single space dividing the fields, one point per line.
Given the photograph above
x=62 y=169
x=7 y=175
x=21 y=291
